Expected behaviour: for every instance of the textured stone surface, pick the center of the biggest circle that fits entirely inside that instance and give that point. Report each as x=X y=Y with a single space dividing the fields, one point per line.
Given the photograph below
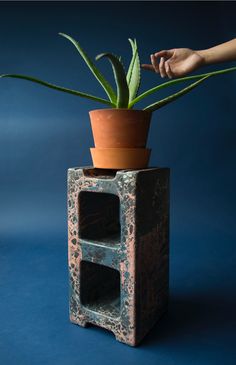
x=118 y=223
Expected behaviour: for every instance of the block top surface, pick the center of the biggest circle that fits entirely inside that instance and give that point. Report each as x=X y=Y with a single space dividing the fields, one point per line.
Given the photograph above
x=91 y=172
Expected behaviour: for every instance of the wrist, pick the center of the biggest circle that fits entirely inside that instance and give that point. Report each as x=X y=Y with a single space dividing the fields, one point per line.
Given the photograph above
x=205 y=56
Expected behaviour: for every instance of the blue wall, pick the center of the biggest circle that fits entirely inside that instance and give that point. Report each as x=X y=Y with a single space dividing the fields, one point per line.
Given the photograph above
x=44 y=132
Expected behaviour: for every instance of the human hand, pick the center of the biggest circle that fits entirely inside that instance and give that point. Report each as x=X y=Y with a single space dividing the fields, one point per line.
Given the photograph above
x=174 y=62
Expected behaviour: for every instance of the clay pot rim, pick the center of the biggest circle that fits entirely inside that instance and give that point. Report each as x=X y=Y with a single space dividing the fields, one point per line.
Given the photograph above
x=120 y=149
x=118 y=109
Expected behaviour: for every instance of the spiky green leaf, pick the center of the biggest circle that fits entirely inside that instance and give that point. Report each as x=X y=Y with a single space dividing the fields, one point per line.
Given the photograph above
x=177 y=81
x=169 y=99
x=104 y=83
x=59 y=88
x=133 y=74
x=120 y=78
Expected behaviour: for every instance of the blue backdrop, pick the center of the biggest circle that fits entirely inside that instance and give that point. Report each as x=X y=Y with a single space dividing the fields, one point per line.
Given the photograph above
x=44 y=132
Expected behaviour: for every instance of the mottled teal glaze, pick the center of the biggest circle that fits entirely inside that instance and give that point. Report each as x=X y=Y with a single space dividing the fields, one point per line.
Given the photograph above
x=118 y=249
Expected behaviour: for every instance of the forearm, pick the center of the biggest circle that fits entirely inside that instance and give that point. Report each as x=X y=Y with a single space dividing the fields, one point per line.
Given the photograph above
x=220 y=53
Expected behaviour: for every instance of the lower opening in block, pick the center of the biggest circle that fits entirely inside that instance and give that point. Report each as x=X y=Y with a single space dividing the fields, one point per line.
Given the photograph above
x=100 y=289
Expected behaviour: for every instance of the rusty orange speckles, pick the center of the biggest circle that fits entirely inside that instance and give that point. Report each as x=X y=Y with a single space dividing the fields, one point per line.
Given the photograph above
x=118 y=249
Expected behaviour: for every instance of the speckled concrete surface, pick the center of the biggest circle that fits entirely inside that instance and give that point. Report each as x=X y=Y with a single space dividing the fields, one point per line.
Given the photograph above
x=118 y=223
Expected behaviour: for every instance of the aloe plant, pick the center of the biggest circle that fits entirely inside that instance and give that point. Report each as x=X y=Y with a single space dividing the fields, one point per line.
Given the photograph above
x=127 y=84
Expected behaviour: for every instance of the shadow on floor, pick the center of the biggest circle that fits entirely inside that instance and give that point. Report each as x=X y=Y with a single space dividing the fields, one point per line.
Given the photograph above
x=201 y=314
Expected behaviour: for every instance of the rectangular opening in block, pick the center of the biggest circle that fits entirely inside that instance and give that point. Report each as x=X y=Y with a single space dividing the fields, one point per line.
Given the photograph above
x=99 y=217
x=101 y=173
x=100 y=288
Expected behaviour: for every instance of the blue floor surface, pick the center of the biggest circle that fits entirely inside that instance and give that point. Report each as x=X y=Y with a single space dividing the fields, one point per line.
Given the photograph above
x=35 y=327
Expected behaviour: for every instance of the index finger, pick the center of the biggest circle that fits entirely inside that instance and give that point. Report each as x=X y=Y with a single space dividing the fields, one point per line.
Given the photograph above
x=147 y=67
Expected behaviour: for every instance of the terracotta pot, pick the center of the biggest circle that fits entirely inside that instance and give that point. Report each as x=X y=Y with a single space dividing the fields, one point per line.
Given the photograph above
x=115 y=128
x=120 y=158
x=120 y=137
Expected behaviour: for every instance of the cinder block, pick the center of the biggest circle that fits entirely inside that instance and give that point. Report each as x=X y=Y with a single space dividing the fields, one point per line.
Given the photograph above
x=118 y=227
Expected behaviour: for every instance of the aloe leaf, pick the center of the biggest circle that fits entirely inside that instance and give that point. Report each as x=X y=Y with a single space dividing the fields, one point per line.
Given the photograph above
x=59 y=88
x=120 y=78
x=104 y=83
x=169 y=99
x=131 y=65
x=133 y=74
x=176 y=81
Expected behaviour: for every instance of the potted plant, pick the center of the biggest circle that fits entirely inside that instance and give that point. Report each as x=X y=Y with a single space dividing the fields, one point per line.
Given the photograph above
x=119 y=131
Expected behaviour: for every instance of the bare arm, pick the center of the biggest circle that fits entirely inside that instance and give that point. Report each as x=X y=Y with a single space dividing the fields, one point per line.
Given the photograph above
x=221 y=53
x=181 y=61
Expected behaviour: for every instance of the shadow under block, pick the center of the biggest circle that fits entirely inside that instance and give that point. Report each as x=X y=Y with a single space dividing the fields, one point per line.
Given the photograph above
x=118 y=225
